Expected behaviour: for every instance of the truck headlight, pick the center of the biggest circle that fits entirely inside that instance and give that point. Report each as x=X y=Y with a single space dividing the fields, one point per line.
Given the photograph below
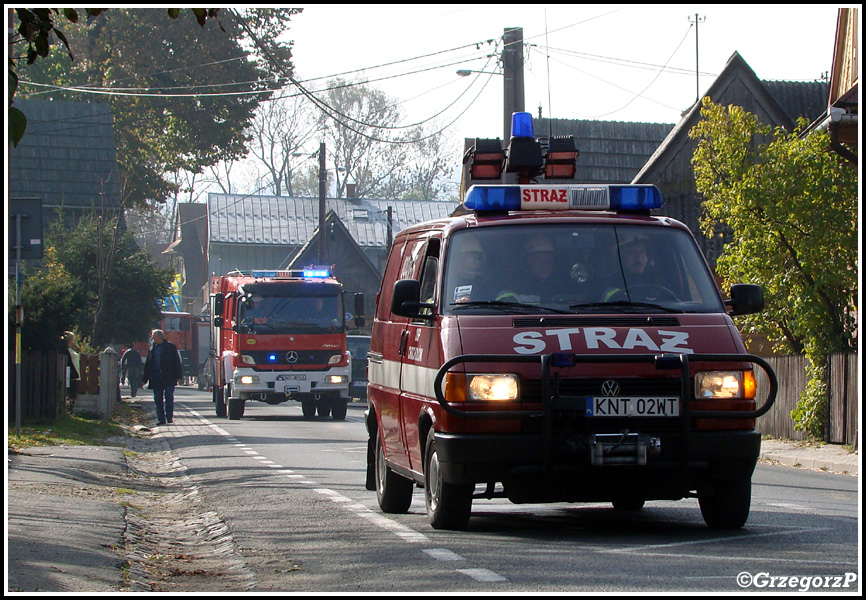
x=247 y=379
x=713 y=385
x=335 y=359
x=247 y=359
x=494 y=387
x=337 y=379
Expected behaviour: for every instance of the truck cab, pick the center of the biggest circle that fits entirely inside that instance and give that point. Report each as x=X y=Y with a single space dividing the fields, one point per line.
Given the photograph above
x=560 y=344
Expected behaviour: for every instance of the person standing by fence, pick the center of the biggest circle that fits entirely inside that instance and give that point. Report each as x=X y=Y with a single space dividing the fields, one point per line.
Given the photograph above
x=163 y=370
x=73 y=367
x=130 y=369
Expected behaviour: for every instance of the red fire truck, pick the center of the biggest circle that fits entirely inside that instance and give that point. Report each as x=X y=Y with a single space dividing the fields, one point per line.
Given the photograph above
x=278 y=336
x=559 y=344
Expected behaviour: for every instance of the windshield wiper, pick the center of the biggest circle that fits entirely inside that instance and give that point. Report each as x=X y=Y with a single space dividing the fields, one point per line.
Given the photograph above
x=507 y=305
x=624 y=306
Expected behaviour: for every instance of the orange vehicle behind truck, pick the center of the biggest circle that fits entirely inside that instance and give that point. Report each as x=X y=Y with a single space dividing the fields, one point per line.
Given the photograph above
x=559 y=343
x=278 y=336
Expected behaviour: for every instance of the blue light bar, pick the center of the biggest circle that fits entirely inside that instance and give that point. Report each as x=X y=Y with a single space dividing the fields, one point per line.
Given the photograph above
x=521 y=125
x=624 y=198
x=316 y=273
x=264 y=273
x=493 y=197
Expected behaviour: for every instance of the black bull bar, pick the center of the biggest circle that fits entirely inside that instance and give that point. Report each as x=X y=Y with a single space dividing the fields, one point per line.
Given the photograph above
x=561 y=359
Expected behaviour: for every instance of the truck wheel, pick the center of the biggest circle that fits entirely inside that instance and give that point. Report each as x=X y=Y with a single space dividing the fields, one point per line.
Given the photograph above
x=323 y=407
x=339 y=408
x=236 y=408
x=220 y=401
x=393 y=491
x=725 y=503
x=308 y=407
x=449 y=505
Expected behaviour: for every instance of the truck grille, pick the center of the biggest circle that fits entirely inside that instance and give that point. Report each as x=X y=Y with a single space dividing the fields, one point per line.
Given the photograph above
x=282 y=358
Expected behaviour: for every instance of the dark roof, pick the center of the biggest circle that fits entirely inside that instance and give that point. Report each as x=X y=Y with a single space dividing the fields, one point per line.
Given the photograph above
x=610 y=151
x=283 y=220
x=800 y=98
x=67 y=156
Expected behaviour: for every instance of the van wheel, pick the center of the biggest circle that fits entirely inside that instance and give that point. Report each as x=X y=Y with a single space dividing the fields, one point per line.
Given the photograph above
x=219 y=401
x=393 y=491
x=339 y=407
x=449 y=505
x=725 y=503
x=236 y=408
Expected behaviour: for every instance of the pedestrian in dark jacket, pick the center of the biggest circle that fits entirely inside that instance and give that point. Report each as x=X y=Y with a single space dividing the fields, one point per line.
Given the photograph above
x=163 y=370
x=130 y=369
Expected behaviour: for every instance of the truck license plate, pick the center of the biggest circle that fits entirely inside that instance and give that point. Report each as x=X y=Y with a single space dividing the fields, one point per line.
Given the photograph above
x=632 y=406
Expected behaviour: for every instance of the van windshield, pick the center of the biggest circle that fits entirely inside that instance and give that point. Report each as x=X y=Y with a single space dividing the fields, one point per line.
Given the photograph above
x=576 y=268
x=280 y=309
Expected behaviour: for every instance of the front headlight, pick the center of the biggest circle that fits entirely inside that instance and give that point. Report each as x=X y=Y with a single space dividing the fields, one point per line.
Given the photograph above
x=714 y=385
x=247 y=379
x=247 y=359
x=337 y=379
x=494 y=387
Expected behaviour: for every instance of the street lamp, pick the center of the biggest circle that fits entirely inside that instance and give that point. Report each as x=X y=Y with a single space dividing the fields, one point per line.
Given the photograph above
x=467 y=72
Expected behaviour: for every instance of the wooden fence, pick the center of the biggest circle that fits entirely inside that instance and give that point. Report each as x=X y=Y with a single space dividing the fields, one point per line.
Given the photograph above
x=840 y=426
x=43 y=376
x=43 y=389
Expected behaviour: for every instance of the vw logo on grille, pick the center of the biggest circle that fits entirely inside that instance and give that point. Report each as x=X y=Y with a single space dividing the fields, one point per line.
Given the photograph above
x=610 y=388
x=291 y=357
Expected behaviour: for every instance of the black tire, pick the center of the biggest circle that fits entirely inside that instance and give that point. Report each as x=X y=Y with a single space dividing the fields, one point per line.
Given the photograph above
x=339 y=407
x=219 y=399
x=393 y=491
x=449 y=505
x=236 y=408
x=725 y=504
x=323 y=407
x=308 y=407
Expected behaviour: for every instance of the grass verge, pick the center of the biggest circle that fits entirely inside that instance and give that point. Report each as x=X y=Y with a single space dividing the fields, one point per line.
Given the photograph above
x=69 y=430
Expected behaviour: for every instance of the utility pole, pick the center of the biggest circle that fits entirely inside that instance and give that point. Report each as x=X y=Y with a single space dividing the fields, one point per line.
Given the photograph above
x=512 y=69
x=697 y=22
x=323 y=189
x=513 y=94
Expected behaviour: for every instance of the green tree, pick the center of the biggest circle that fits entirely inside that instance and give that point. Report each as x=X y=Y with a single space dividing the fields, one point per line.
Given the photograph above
x=64 y=293
x=181 y=96
x=790 y=204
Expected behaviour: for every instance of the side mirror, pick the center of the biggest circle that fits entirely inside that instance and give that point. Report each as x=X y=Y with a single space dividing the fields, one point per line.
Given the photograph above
x=746 y=299
x=406 y=300
x=359 y=310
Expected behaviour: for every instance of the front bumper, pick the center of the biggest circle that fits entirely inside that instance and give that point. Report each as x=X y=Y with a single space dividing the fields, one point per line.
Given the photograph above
x=289 y=382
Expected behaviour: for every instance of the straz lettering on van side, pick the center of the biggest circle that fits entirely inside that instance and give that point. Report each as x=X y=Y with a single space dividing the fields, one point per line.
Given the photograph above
x=559 y=344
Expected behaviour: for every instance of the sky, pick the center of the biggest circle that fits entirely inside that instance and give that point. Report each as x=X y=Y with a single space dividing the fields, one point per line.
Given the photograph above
x=583 y=61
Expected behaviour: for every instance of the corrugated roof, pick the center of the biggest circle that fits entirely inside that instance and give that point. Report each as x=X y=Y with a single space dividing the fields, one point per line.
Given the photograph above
x=67 y=155
x=610 y=151
x=282 y=220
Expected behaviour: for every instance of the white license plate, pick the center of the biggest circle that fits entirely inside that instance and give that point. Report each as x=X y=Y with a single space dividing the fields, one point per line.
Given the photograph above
x=298 y=377
x=632 y=406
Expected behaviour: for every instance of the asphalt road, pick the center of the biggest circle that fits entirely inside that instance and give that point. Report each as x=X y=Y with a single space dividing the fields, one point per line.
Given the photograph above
x=291 y=492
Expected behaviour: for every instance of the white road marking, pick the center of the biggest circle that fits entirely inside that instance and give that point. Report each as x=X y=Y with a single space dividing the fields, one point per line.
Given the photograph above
x=483 y=575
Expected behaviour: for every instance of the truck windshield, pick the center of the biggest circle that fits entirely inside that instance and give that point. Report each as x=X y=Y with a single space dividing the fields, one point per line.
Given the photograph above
x=273 y=309
x=576 y=268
